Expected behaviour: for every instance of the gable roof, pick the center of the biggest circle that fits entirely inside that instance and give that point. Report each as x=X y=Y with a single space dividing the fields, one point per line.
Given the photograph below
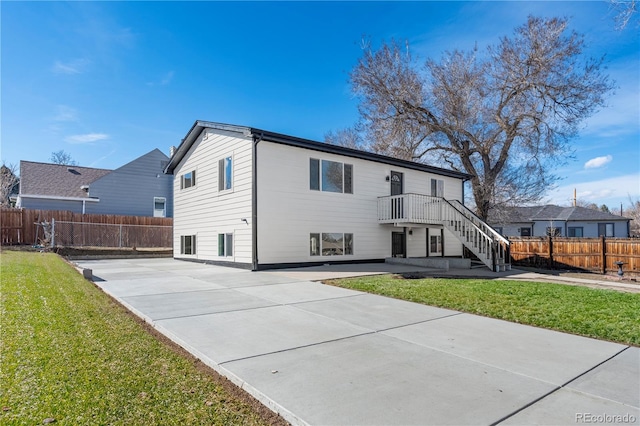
x=268 y=136
x=553 y=212
x=56 y=180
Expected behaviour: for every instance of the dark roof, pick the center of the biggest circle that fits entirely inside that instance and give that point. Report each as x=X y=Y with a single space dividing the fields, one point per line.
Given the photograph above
x=56 y=180
x=553 y=212
x=266 y=135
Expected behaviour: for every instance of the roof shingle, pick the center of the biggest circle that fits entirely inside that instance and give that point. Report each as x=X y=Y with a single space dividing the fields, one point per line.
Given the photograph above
x=56 y=180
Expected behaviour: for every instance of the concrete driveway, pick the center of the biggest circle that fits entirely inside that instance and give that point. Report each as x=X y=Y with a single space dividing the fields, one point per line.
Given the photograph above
x=323 y=355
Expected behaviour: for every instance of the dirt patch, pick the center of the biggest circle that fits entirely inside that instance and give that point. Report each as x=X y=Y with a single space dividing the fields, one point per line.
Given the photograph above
x=628 y=277
x=76 y=252
x=95 y=251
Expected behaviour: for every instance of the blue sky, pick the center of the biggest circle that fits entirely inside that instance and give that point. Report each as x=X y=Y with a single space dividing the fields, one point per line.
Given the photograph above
x=109 y=81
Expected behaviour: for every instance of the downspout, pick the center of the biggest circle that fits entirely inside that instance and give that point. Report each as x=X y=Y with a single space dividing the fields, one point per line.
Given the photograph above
x=254 y=202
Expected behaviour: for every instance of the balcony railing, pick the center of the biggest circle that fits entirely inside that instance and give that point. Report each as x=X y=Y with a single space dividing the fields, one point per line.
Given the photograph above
x=410 y=208
x=407 y=209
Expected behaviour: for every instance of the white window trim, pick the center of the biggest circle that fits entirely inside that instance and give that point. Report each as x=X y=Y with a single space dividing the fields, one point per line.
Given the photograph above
x=321 y=181
x=439 y=187
x=329 y=256
x=194 y=245
x=182 y=187
x=164 y=210
x=226 y=251
x=223 y=174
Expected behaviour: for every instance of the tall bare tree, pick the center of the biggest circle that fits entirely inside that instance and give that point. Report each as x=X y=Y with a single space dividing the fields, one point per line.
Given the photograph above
x=505 y=116
x=8 y=183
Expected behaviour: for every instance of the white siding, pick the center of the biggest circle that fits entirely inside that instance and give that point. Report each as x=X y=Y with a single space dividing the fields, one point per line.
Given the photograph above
x=416 y=242
x=204 y=211
x=288 y=211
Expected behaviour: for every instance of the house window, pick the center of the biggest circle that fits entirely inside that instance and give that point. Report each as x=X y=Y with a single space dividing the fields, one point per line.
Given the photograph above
x=314 y=174
x=330 y=176
x=348 y=244
x=159 y=207
x=225 y=174
x=225 y=245
x=437 y=188
x=330 y=244
x=575 y=231
x=525 y=232
x=605 y=230
x=553 y=231
x=435 y=243
x=314 y=240
x=187 y=244
x=498 y=229
x=188 y=180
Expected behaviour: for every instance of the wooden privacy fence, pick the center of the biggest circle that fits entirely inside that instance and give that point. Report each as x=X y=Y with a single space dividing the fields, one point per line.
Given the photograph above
x=589 y=254
x=23 y=226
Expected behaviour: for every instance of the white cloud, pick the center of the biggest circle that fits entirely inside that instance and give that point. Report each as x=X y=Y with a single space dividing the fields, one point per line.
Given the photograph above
x=594 y=163
x=65 y=113
x=77 y=66
x=86 y=138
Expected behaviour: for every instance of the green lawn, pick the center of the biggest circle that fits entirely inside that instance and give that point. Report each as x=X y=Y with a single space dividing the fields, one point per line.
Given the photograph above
x=602 y=314
x=72 y=354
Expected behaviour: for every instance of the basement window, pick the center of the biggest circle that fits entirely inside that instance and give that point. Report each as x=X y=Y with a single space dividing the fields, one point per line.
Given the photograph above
x=225 y=245
x=330 y=244
x=187 y=244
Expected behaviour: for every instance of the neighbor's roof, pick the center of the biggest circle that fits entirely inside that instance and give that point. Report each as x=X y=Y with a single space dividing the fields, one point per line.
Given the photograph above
x=268 y=136
x=553 y=212
x=56 y=180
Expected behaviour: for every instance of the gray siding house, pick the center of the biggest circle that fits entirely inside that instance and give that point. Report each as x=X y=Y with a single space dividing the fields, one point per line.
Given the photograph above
x=551 y=220
x=139 y=188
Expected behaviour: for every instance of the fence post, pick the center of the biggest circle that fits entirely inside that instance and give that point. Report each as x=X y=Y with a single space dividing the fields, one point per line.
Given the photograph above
x=604 y=255
x=53 y=232
x=120 y=239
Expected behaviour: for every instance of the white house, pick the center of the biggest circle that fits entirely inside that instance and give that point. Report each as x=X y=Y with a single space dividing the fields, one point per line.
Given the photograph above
x=259 y=199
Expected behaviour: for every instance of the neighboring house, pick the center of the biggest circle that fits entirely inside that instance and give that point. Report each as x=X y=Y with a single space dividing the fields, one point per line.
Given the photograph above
x=139 y=188
x=551 y=220
x=258 y=199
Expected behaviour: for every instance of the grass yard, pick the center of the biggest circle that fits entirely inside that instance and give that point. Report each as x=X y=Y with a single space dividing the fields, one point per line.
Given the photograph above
x=72 y=354
x=602 y=314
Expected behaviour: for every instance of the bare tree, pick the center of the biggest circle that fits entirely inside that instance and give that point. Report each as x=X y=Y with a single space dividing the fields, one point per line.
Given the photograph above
x=633 y=213
x=61 y=157
x=8 y=183
x=349 y=137
x=505 y=117
x=624 y=12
